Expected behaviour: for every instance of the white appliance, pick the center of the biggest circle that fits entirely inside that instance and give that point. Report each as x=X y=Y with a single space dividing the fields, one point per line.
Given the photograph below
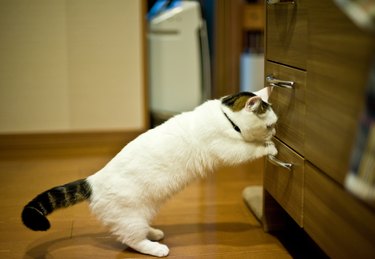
x=251 y=72
x=178 y=59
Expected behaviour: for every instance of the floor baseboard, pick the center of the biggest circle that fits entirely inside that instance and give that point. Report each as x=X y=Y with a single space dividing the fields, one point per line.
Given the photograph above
x=75 y=143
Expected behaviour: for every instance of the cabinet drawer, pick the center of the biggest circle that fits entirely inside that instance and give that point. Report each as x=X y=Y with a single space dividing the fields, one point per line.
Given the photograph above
x=284 y=185
x=341 y=225
x=289 y=105
x=286 y=33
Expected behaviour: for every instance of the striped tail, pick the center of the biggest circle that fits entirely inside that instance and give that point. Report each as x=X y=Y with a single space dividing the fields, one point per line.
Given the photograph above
x=35 y=212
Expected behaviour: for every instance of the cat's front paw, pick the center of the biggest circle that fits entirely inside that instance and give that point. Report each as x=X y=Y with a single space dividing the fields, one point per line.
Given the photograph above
x=270 y=148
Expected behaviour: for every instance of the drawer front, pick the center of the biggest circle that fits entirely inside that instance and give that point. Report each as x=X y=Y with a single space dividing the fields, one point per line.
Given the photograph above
x=286 y=33
x=284 y=185
x=289 y=105
x=341 y=225
x=338 y=70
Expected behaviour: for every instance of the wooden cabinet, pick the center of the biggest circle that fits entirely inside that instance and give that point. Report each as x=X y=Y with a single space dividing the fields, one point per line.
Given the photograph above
x=313 y=44
x=285 y=185
x=286 y=33
x=337 y=71
x=341 y=225
x=289 y=104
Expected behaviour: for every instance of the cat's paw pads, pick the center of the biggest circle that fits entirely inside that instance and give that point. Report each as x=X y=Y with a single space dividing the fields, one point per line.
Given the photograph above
x=155 y=234
x=270 y=148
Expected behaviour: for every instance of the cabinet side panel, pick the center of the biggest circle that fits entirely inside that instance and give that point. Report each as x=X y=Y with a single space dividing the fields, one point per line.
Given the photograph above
x=338 y=66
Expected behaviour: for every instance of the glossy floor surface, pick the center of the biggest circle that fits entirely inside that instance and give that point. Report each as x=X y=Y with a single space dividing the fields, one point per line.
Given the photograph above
x=206 y=220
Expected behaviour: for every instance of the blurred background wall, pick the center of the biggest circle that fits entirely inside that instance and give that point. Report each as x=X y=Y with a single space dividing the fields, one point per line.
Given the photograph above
x=71 y=66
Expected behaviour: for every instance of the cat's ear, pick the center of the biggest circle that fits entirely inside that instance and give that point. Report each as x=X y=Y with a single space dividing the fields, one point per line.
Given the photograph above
x=264 y=93
x=253 y=103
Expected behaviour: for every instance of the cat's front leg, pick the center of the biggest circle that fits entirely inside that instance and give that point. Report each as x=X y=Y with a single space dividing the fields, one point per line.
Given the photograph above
x=264 y=149
x=270 y=149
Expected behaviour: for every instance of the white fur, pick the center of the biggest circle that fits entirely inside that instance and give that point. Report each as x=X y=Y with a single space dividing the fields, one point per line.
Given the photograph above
x=129 y=190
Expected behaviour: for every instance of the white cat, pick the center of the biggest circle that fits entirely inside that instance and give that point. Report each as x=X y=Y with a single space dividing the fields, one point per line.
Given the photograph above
x=127 y=193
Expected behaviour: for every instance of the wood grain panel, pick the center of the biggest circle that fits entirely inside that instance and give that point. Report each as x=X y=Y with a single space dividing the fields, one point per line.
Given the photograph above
x=227 y=47
x=289 y=105
x=286 y=34
x=338 y=66
x=274 y=216
x=342 y=226
x=74 y=143
x=287 y=186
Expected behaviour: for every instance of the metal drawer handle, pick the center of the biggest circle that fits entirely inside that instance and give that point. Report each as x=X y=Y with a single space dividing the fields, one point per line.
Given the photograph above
x=279 y=83
x=280 y=1
x=277 y=162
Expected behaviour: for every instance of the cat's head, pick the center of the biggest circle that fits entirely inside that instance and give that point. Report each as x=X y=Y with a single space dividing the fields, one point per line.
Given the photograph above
x=250 y=114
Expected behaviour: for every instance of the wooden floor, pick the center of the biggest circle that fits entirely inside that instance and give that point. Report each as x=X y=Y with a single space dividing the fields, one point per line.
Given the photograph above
x=206 y=220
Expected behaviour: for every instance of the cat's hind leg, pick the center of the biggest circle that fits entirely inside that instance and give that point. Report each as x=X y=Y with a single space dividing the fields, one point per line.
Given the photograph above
x=155 y=234
x=134 y=233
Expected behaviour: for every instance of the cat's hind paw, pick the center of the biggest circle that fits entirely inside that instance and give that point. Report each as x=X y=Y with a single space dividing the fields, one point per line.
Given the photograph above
x=157 y=249
x=161 y=250
x=151 y=248
x=155 y=234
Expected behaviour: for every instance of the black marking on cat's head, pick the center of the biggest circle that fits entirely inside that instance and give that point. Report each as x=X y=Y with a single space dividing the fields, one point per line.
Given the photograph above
x=249 y=100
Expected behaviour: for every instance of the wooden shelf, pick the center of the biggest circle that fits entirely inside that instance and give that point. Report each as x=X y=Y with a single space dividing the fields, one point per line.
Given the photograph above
x=253 y=17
